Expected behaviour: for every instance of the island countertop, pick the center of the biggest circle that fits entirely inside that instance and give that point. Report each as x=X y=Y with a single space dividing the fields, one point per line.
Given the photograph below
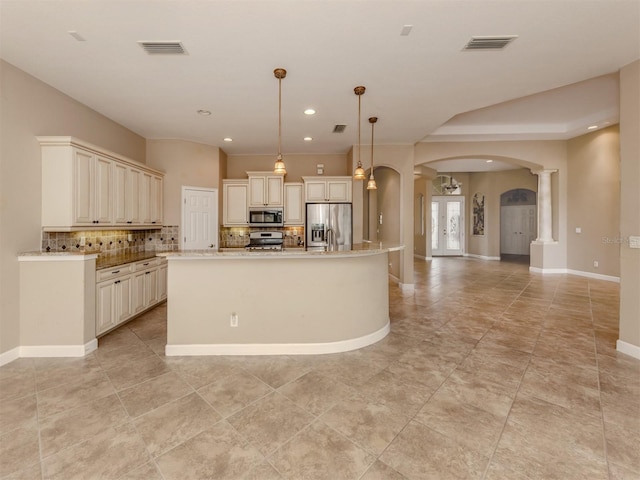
x=361 y=249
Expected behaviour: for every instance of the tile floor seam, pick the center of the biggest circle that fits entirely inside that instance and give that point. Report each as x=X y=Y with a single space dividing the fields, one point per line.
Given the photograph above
x=506 y=420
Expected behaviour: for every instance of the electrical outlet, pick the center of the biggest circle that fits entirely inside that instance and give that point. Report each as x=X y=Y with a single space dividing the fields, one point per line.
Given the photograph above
x=233 y=320
x=595 y=264
x=83 y=241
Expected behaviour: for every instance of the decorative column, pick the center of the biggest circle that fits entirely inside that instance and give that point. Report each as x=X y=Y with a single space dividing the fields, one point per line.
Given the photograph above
x=545 y=215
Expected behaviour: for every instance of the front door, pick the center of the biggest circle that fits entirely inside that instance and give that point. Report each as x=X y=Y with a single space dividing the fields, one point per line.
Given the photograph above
x=447 y=225
x=199 y=218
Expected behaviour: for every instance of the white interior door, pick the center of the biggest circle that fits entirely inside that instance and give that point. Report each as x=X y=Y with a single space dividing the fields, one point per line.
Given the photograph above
x=447 y=225
x=199 y=218
x=517 y=229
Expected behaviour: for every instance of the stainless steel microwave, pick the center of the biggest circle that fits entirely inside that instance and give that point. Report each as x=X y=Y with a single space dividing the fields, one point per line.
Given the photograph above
x=266 y=217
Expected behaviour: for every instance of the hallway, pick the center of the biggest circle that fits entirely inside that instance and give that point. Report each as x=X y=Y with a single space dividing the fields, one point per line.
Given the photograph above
x=489 y=372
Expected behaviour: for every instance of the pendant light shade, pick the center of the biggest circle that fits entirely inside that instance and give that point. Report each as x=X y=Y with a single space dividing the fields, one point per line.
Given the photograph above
x=279 y=167
x=359 y=172
x=371 y=184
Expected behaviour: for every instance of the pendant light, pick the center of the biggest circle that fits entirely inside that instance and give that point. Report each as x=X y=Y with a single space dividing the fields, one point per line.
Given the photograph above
x=371 y=184
x=279 y=167
x=359 y=172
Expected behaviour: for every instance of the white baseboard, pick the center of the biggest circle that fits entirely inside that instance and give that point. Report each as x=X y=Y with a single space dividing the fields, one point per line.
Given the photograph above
x=58 y=350
x=9 y=356
x=407 y=288
x=483 y=257
x=579 y=273
x=599 y=276
x=278 y=348
x=421 y=257
x=628 y=349
x=547 y=270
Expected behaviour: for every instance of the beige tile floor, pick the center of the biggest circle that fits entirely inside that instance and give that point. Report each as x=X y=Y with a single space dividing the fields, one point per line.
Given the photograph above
x=489 y=372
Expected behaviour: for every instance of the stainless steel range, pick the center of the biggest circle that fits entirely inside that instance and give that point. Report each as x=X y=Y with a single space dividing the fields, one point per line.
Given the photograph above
x=265 y=241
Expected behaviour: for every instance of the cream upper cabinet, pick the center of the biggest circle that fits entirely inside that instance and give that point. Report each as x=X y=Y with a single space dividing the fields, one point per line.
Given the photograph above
x=327 y=189
x=84 y=186
x=235 y=195
x=265 y=189
x=294 y=204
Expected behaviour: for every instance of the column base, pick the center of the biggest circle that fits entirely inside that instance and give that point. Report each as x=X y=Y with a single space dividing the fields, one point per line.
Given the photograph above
x=547 y=257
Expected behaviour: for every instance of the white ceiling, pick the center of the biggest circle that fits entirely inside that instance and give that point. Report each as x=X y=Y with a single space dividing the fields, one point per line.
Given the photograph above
x=421 y=86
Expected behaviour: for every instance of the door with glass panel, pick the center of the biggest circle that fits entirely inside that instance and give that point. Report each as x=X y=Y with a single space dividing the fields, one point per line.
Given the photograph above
x=447 y=225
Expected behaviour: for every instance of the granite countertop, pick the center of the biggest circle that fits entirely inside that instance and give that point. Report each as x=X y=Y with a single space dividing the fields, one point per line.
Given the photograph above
x=102 y=260
x=356 y=250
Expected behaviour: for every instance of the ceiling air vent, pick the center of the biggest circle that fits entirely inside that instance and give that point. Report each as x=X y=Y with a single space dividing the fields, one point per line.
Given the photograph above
x=163 y=48
x=489 y=43
x=339 y=128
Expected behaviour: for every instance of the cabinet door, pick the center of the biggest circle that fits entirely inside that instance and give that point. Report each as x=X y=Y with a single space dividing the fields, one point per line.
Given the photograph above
x=274 y=195
x=150 y=287
x=145 y=194
x=339 y=190
x=122 y=291
x=162 y=282
x=120 y=193
x=105 y=314
x=83 y=187
x=316 y=191
x=235 y=204
x=134 y=182
x=257 y=194
x=104 y=190
x=137 y=292
x=293 y=204
x=155 y=200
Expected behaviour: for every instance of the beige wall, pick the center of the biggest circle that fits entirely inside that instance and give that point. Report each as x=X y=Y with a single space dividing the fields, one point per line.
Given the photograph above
x=297 y=165
x=492 y=185
x=630 y=203
x=593 y=202
x=186 y=164
x=528 y=154
x=29 y=108
x=401 y=159
x=388 y=203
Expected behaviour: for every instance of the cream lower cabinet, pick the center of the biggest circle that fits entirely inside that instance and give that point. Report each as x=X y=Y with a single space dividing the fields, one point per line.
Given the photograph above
x=124 y=291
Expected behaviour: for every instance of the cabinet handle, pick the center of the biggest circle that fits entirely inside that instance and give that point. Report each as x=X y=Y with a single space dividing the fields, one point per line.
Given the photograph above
x=117 y=271
x=129 y=222
x=117 y=281
x=153 y=222
x=147 y=273
x=145 y=264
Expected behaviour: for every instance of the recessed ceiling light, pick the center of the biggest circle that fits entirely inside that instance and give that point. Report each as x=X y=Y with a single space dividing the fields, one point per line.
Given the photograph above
x=77 y=36
x=228 y=139
x=307 y=139
x=489 y=161
x=406 y=30
x=205 y=113
x=592 y=127
x=309 y=111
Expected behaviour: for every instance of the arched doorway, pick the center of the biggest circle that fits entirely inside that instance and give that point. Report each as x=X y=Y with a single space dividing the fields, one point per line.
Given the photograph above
x=381 y=213
x=518 y=223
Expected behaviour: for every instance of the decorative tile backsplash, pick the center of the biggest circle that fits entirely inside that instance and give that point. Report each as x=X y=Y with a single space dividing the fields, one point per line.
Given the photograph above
x=235 y=237
x=113 y=242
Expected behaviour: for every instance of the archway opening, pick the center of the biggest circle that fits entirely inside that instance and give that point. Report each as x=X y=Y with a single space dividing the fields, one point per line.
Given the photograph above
x=518 y=224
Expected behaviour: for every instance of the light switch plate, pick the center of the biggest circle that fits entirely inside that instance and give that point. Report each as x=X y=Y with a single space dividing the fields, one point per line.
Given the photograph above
x=634 y=241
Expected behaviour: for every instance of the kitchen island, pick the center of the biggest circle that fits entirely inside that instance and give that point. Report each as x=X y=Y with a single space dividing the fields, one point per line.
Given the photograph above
x=289 y=302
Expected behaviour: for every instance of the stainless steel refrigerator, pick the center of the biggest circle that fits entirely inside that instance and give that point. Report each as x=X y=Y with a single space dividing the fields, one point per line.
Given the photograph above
x=328 y=226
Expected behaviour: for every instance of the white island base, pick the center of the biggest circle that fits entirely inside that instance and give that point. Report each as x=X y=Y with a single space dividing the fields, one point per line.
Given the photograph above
x=282 y=303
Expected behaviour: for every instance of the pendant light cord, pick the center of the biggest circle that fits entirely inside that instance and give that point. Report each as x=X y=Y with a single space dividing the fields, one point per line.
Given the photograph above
x=279 y=117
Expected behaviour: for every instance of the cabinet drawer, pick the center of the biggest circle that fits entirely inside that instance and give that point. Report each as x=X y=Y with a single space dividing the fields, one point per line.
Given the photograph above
x=114 y=272
x=146 y=264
